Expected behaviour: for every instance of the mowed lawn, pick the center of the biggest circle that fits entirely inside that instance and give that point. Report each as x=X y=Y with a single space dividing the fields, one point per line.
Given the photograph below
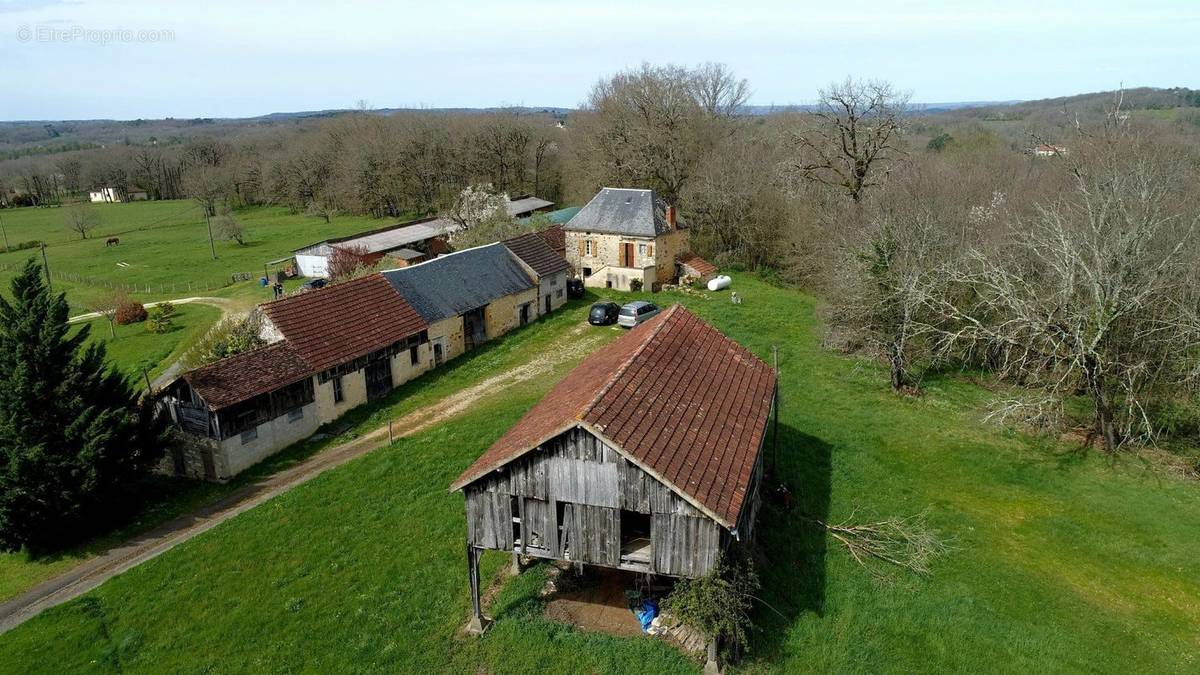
x=1058 y=562
x=135 y=349
x=164 y=250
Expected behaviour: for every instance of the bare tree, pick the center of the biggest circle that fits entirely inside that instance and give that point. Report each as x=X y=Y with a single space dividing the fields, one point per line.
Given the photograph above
x=81 y=217
x=229 y=228
x=651 y=127
x=735 y=209
x=107 y=306
x=883 y=283
x=209 y=186
x=1093 y=296
x=717 y=90
x=852 y=137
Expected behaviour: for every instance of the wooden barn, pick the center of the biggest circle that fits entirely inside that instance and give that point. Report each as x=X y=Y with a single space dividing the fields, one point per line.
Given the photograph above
x=647 y=457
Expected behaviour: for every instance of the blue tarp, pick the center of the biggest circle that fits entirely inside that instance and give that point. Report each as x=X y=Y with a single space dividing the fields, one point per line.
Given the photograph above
x=646 y=613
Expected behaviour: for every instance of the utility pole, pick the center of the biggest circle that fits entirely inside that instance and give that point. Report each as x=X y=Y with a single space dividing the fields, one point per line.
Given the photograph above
x=211 y=246
x=46 y=266
x=5 y=231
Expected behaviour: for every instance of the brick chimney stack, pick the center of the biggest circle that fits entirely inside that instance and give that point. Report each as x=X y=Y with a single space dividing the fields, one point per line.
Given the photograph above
x=671 y=217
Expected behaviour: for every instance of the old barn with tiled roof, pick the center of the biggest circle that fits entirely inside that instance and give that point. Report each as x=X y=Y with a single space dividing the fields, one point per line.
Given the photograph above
x=343 y=321
x=646 y=457
x=335 y=348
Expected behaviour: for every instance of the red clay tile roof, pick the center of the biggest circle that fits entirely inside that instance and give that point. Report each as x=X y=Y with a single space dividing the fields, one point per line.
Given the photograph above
x=701 y=266
x=343 y=321
x=244 y=376
x=556 y=238
x=533 y=250
x=686 y=403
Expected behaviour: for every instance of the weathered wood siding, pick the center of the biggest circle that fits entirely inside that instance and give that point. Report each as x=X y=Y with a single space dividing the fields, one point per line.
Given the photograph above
x=592 y=533
x=683 y=545
x=489 y=520
x=571 y=492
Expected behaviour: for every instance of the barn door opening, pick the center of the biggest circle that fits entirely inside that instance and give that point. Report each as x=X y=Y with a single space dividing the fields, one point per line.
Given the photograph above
x=438 y=353
x=474 y=328
x=379 y=378
x=635 y=539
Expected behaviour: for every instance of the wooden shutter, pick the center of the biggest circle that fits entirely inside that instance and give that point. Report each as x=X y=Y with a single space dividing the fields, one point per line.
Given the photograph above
x=580 y=248
x=650 y=250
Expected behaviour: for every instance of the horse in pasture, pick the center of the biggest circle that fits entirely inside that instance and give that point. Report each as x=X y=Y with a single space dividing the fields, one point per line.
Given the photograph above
x=112 y=241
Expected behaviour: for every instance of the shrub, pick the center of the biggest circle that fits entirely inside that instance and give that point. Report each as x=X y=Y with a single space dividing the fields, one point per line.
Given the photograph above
x=161 y=318
x=635 y=285
x=718 y=604
x=35 y=243
x=229 y=337
x=130 y=311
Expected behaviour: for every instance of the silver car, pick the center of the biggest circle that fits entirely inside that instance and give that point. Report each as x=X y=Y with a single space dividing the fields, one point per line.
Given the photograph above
x=636 y=312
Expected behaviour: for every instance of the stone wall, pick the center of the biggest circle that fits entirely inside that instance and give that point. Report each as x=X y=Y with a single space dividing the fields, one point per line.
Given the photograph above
x=501 y=315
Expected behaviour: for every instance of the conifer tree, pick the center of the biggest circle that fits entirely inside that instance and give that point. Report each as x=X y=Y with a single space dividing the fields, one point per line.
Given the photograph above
x=74 y=435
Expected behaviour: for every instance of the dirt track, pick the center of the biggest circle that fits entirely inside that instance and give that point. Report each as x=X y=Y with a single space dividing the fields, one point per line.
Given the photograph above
x=95 y=571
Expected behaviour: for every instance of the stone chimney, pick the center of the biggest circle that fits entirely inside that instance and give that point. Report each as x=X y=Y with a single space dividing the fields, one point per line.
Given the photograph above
x=671 y=217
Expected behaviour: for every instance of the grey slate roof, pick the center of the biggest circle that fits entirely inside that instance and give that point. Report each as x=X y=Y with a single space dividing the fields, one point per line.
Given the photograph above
x=638 y=213
x=452 y=284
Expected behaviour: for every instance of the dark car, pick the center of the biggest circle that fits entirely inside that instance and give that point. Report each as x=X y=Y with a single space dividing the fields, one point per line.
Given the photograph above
x=314 y=284
x=574 y=288
x=603 y=313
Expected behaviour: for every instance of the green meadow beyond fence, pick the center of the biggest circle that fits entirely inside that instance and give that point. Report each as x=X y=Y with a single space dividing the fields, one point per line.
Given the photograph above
x=180 y=286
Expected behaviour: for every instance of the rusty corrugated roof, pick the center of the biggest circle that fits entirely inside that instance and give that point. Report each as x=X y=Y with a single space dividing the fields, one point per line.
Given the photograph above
x=344 y=321
x=680 y=399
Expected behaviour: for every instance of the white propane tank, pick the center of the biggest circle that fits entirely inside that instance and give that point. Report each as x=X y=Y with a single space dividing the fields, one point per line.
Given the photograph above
x=719 y=282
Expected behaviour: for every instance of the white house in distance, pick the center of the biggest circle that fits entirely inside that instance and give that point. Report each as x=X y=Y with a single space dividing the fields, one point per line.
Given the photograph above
x=113 y=195
x=1045 y=150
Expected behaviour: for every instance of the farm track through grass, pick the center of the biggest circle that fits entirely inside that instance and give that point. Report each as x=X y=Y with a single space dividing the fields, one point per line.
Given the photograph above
x=1060 y=561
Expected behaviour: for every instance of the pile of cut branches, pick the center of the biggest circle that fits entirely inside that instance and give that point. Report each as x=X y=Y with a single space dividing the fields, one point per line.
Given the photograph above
x=899 y=543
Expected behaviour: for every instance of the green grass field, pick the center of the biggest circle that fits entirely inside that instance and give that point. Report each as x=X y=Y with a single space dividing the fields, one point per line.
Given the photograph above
x=164 y=247
x=1059 y=561
x=135 y=349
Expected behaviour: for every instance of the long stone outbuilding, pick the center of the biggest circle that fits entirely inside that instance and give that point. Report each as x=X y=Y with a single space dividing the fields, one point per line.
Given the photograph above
x=333 y=349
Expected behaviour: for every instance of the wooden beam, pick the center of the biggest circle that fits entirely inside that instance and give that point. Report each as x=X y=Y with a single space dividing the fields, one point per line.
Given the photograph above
x=524 y=529
x=473 y=573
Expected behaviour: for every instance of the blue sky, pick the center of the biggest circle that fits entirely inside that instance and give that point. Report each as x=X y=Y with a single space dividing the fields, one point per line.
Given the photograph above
x=65 y=59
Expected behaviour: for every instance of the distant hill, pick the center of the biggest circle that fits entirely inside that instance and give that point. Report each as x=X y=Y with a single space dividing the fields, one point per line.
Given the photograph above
x=23 y=138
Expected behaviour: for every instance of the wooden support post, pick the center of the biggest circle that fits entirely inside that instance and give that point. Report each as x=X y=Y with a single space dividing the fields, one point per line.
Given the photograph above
x=775 y=421
x=391 y=438
x=478 y=623
x=712 y=666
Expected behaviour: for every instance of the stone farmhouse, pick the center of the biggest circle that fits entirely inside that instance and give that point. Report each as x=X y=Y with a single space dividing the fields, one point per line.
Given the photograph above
x=626 y=239
x=332 y=349
x=647 y=457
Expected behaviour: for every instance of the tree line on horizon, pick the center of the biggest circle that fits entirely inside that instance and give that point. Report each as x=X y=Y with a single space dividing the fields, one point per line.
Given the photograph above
x=1069 y=279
